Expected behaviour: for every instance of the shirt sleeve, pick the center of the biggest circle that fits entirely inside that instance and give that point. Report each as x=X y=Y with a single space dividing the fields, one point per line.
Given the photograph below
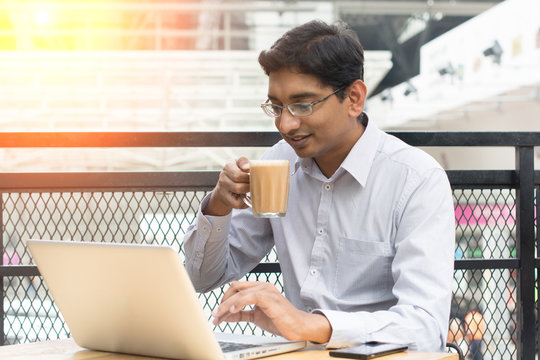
x=220 y=249
x=422 y=270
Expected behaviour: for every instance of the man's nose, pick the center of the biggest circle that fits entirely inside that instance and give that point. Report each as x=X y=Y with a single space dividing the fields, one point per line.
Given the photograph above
x=287 y=122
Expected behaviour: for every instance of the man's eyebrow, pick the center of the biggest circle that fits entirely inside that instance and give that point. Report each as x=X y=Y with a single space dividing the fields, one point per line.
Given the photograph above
x=293 y=97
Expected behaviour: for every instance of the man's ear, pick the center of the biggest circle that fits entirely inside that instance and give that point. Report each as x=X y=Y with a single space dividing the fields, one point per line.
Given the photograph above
x=357 y=97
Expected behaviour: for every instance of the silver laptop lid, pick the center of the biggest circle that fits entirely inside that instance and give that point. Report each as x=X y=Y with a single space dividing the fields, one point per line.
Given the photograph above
x=126 y=298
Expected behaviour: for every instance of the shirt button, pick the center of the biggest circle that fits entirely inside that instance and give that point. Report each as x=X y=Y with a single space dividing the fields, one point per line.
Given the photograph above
x=309 y=309
x=218 y=229
x=327 y=187
x=198 y=254
x=313 y=272
x=205 y=228
x=321 y=231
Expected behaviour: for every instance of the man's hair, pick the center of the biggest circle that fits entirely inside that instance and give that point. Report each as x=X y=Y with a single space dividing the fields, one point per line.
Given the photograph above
x=331 y=53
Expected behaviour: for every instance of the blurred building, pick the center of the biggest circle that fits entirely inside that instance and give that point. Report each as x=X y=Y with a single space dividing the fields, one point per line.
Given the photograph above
x=483 y=75
x=191 y=65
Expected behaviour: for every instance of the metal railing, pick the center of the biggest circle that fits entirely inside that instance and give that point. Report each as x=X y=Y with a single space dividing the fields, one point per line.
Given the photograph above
x=496 y=246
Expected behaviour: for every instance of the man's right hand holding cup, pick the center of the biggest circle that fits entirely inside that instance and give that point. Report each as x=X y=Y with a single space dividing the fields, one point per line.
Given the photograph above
x=260 y=184
x=231 y=187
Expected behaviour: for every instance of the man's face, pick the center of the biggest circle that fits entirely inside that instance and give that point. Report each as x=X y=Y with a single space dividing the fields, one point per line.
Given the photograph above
x=328 y=134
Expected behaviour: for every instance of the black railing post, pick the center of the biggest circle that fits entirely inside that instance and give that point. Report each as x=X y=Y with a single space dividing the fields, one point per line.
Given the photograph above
x=537 y=280
x=525 y=250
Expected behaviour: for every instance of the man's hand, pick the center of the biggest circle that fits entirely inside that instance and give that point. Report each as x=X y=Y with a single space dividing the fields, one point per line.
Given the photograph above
x=271 y=312
x=233 y=183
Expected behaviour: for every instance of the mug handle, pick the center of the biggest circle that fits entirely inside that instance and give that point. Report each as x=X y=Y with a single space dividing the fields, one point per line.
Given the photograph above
x=247 y=199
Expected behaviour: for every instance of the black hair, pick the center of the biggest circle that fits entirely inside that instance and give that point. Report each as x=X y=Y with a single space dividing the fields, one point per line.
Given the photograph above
x=331 y=53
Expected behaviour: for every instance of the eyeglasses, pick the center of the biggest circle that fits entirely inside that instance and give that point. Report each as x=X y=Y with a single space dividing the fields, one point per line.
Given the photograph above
x=296 y=109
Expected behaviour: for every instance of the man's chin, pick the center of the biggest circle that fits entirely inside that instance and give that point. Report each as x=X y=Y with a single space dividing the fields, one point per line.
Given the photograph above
x=303 y=153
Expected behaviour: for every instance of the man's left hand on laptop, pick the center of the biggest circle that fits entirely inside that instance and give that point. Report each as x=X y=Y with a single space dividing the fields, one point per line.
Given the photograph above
x=271 y=312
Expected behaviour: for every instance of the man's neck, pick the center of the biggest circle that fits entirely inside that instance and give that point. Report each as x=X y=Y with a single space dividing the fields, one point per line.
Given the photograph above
x=329 y=165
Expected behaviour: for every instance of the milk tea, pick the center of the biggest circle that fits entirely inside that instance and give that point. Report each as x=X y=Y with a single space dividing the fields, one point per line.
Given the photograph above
x=269 y=187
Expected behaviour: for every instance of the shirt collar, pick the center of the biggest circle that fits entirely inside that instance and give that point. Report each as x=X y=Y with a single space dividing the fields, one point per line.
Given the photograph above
x=302 y=162
x=359 y=160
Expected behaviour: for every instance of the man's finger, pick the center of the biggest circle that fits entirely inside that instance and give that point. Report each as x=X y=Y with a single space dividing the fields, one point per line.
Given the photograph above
x=234 y=303
x=237 y=302
x=243 y=164
x=237 y=286
x=243 y=315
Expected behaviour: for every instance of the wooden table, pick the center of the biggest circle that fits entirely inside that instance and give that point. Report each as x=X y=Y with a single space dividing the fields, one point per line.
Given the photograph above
x=68 y=350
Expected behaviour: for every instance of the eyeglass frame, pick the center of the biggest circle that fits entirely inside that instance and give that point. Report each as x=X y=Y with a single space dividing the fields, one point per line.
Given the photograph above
x=281 y=107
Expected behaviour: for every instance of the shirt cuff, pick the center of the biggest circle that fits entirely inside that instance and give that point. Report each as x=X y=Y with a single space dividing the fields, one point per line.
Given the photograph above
x=345 y=332
x=212 y=228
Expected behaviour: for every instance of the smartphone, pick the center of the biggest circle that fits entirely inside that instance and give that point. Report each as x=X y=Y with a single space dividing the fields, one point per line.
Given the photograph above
x=368 y=350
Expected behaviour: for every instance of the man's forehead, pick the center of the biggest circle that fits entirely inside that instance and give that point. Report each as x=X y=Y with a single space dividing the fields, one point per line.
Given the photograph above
x=289 y=83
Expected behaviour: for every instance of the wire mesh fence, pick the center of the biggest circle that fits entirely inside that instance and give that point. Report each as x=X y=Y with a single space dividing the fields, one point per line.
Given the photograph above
x=131 y=217
x=483 y=316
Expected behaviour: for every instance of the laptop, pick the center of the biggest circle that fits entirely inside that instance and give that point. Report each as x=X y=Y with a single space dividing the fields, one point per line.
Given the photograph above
x=137 y=299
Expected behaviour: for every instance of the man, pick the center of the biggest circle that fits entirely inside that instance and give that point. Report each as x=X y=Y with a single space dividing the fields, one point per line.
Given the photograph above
x=366 y=247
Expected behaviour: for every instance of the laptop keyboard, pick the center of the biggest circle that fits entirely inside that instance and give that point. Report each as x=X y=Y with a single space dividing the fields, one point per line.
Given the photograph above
x=232 y=346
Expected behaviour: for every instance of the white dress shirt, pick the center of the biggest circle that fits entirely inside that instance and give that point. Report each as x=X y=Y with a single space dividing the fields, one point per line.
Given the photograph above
x=371 y=247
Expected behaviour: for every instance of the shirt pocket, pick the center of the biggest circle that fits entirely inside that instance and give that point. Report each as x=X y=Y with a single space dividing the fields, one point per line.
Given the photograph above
x=363 y=270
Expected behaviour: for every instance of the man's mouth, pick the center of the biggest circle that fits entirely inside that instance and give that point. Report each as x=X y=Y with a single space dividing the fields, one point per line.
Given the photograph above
x=297 y=140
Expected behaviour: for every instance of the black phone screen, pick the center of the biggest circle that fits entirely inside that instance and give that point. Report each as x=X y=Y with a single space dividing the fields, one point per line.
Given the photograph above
x=368 y=350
